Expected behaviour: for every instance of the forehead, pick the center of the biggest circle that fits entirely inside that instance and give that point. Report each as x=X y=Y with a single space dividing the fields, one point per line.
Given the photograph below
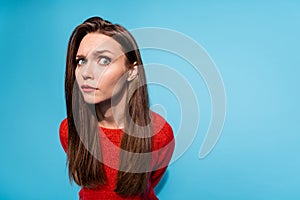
x=98 y=41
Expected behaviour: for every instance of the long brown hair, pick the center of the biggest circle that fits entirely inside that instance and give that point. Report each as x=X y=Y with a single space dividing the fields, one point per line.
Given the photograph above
x=84 y=168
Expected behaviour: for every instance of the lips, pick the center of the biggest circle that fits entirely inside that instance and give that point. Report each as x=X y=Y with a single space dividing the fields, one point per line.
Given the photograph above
x=87 y=88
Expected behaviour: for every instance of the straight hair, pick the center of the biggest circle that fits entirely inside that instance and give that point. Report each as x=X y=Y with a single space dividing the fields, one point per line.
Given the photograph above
x=83 y=130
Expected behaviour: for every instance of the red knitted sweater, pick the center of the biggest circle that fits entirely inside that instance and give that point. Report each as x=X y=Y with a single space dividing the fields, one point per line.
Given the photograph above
x=160 y=159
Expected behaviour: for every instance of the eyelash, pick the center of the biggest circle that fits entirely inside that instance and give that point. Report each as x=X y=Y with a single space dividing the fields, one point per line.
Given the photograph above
x=105 y=57
x=99 y=59
x=78 y=60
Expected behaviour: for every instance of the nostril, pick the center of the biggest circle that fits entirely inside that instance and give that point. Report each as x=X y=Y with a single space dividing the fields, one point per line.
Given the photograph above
x=85 y=76
x=87 y=71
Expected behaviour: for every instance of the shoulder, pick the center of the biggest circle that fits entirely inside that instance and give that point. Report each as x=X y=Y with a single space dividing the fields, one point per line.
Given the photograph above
x=63 y=128
x=163 y=132
x=63 y=133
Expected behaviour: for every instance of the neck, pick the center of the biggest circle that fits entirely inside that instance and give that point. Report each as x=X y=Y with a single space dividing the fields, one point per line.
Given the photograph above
x=111 y=113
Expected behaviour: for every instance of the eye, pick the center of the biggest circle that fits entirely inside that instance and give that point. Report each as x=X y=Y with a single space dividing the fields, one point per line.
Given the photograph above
x=81 y=61
x=103 y=60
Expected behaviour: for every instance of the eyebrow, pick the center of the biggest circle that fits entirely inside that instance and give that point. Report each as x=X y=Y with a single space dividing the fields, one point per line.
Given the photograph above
x=95 y=53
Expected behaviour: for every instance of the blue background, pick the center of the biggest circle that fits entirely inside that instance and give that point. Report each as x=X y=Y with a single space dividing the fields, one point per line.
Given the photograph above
x=256 y=48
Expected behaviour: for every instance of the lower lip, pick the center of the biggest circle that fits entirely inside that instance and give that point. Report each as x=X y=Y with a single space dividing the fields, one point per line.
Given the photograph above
x=88 y=89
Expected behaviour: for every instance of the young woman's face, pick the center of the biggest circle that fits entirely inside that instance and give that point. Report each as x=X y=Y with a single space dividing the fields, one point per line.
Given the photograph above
x=100 y=68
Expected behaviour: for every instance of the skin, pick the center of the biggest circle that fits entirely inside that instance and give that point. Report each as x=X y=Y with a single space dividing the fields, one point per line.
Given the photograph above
x=101 y=66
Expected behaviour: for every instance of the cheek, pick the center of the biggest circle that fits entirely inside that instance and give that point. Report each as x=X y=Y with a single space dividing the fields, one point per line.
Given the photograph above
x=112 y=79
x=77 y=74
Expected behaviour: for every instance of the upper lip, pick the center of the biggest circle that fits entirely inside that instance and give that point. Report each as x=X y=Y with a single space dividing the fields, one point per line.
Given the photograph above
x=88 y=86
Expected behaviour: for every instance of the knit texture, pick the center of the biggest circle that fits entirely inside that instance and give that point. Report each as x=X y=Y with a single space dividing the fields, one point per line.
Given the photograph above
x=110 y=153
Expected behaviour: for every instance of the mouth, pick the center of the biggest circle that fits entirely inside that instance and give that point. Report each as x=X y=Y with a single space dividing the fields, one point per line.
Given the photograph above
x=87 y=88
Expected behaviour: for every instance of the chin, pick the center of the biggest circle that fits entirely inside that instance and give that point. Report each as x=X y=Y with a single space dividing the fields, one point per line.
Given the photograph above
x=91 y=100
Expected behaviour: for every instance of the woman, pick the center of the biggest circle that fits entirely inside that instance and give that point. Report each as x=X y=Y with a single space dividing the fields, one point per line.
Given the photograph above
x=117 y=148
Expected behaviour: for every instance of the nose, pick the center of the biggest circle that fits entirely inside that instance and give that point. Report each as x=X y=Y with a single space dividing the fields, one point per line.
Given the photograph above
x=87 y=72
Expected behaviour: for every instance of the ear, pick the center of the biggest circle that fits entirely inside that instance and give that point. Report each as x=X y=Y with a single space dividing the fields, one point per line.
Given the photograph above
x=132 y=72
